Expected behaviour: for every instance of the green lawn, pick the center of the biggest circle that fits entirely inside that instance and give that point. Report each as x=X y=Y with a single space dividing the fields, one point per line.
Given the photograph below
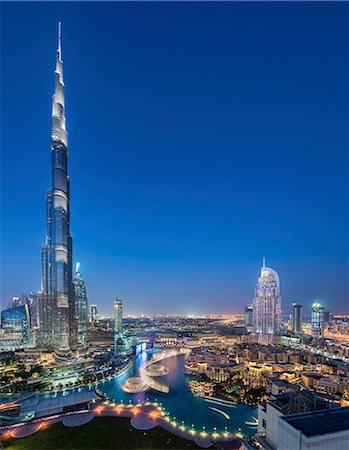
x=101 y=433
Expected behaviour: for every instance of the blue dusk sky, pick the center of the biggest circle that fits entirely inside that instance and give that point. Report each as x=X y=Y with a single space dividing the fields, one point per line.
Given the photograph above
x=202 y=137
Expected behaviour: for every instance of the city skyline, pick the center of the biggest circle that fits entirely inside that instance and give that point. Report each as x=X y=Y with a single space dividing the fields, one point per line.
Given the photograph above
x=169 y=262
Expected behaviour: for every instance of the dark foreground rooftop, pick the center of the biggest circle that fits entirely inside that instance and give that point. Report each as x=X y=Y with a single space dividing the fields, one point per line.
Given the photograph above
x=320 y=422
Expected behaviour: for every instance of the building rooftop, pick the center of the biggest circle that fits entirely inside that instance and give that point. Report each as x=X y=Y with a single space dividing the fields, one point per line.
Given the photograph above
x=299 y=402
x=320 y=422
x=45 y=406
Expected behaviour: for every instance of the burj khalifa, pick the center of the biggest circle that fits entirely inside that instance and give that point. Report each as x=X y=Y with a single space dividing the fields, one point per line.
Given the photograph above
x=56 y=299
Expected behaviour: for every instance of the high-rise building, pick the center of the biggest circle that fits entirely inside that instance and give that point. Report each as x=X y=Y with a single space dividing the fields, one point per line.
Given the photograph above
x=249 y=315
x=118 y=316
x=317 y=320
x=31 y=300
x=93 y=314
x=296 y=318
x=81 y=304
x=15 y=323
x=267 y=302
x=124 y=341
x=328 y=319
x=56 y=299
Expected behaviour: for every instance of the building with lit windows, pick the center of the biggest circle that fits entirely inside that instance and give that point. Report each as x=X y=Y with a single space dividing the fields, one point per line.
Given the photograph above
x=93 y=314
x=56 y=299
x=15 y=325
x=249 y=316
x=118 y=316
x=30 y=299
x=81 y=304
x=296 y=318
x=317 y=320
x=124 y=341
x=267 y=302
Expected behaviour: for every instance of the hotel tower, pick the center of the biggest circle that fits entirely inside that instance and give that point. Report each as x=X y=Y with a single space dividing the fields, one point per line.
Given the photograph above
x=56 y=299
x=267 y=302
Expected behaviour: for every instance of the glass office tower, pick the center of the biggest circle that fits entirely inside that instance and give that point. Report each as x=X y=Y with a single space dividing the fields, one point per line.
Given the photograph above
x=249 y=315
x=81 y=304
x=15 y=323
x=118 y=315
x=56 y=300
x=296 y=318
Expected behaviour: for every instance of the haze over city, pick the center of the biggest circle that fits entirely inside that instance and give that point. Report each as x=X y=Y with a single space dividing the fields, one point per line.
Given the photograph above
x=199 y=142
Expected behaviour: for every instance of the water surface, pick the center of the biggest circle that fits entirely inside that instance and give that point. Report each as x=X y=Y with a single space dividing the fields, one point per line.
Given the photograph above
x=182 y=404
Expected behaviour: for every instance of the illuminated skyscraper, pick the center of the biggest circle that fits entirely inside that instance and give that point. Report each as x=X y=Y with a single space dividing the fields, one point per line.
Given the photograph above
x=56 y=299
x=317 y=320
x=93 y=314
x=80 y=304
x=124 y=341
x=296 y=318
x=118 y=316
x=249 y=315
x=267 y=302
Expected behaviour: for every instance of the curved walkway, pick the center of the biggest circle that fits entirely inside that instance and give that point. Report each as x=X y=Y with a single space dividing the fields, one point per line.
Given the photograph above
x=26 y=430
x=143 y=417
x=76 y=421
x=147 y=413
x=143 y=423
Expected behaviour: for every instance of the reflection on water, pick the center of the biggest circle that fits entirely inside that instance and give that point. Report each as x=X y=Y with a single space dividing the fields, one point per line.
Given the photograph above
x=180 y=402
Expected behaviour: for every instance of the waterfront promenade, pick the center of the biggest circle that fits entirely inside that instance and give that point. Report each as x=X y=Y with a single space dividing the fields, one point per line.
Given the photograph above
x=142 y=417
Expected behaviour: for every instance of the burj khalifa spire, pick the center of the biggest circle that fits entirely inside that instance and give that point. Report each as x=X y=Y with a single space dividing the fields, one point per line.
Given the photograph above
x=56 y=299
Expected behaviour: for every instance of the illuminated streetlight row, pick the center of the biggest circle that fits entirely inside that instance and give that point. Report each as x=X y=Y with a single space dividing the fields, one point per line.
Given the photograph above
x=166 y=417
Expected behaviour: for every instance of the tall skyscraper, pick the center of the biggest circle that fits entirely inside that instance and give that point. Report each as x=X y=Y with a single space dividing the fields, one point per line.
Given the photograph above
x=118 y=316
x=296 y=318
x=267 y=302
x=81 y=304
x=249 y=315
x=93 y=314
x=56 y=299
x=124 y=341
x=328 y=319
x=317 y=320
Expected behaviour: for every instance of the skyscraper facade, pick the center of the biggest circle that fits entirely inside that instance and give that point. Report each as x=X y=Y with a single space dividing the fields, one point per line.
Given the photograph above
x=317 y=320
x=93 y=314
x=249 y=315
x=81 y=304
x=267 y=302
x=297 y=318
x=118 y=316
x=124 y=340
x=56 y=299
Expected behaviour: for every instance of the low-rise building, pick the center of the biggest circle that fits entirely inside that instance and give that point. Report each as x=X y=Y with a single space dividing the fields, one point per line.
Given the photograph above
x=331 y=384
x=218 y=373
x=201 y=387
x=287 y=404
